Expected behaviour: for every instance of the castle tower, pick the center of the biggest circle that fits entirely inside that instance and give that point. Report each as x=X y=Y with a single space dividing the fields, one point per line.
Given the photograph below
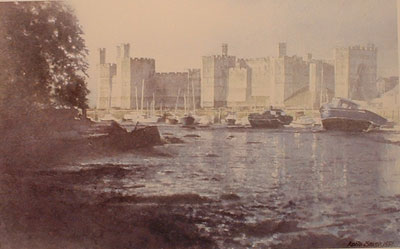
x=224 y=49
x=122 y=89
x=106 y=72
x=214 y=81
x=356 y=72
x=282 y=49
x=125 y=49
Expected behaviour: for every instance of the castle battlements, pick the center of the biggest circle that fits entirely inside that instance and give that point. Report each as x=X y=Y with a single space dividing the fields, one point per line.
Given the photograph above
x=369 y=47
x=147 y=60
x=260 y=59
x=171 y=74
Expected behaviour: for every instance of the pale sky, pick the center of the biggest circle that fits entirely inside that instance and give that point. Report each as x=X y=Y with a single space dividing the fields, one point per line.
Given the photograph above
x=176 y=33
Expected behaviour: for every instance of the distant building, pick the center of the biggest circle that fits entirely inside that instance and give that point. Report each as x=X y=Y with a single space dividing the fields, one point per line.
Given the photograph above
x=214 y=82
x=356 y=72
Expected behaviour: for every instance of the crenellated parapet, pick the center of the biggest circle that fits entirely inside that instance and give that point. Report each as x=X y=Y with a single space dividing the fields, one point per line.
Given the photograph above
x=369 y=47
x=144 y=60
x=171 y=74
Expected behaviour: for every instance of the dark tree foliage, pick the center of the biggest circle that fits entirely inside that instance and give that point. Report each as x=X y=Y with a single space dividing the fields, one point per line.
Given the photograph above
x=42 y=58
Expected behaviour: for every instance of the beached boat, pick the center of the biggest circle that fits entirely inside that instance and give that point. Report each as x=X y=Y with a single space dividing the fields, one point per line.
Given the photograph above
x=272 y=118
x=346 y=115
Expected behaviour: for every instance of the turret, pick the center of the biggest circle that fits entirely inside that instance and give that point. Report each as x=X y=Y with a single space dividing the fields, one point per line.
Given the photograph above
x=102 y=55
x=224 y=49
x=282 y=49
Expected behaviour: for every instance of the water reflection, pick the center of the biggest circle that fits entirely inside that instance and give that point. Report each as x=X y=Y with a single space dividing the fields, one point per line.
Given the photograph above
x=331 y=177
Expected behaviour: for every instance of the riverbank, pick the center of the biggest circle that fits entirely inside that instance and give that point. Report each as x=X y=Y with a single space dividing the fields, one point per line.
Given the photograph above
x=41 y=207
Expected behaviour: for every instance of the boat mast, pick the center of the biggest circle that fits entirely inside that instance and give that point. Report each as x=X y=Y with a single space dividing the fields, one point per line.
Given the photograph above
x=184 y=101
x=177 y=99
x=194 y=100
x=142 y=96
x=137 y=106
x=153 y=106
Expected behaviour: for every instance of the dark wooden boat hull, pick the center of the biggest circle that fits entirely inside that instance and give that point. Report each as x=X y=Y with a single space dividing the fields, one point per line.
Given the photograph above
x=230 y=121
x=266 y=123
x=343 y=124
x=269 y=121
x=187 y=121
x=344 y=119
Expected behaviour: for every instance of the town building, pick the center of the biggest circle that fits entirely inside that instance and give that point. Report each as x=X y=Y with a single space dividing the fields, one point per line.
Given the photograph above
x=356 y=72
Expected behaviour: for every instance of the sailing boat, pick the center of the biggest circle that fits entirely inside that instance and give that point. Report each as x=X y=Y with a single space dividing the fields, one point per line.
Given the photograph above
x=133 y=116
x=187 y=119
x=231 y=118
x=173 y=119
x=146 y=118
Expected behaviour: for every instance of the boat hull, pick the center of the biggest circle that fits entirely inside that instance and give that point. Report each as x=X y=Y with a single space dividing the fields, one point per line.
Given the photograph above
x=350 y=119
x=344 y=124
x=269 y=123
x=187 y=120
x=172 y=121
x=230 y=121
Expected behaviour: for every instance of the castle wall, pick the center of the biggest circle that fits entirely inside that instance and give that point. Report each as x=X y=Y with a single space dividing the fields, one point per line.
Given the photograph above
x=238 y=91
x=168 y=85
x=142 y=70
x=261 y=76
x=289 y=75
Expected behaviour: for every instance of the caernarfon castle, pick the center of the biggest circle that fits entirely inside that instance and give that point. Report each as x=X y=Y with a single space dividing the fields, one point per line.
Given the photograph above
x=227 y=81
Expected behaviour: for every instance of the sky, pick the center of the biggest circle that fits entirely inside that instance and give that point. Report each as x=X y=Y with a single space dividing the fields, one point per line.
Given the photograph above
x=177 y=33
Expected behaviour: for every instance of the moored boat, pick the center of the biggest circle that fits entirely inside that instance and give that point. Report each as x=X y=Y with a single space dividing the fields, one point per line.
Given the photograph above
x=302 y=121
x=346 y=115
x=231 y=118
x=187 y=119
x=172 y=119
x=272 y=118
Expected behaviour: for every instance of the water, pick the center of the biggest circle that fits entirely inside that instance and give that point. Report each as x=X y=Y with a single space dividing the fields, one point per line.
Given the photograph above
x=331 y=183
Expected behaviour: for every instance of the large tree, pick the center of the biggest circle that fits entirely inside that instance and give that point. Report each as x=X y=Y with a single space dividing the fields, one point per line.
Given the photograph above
x=42 y=58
